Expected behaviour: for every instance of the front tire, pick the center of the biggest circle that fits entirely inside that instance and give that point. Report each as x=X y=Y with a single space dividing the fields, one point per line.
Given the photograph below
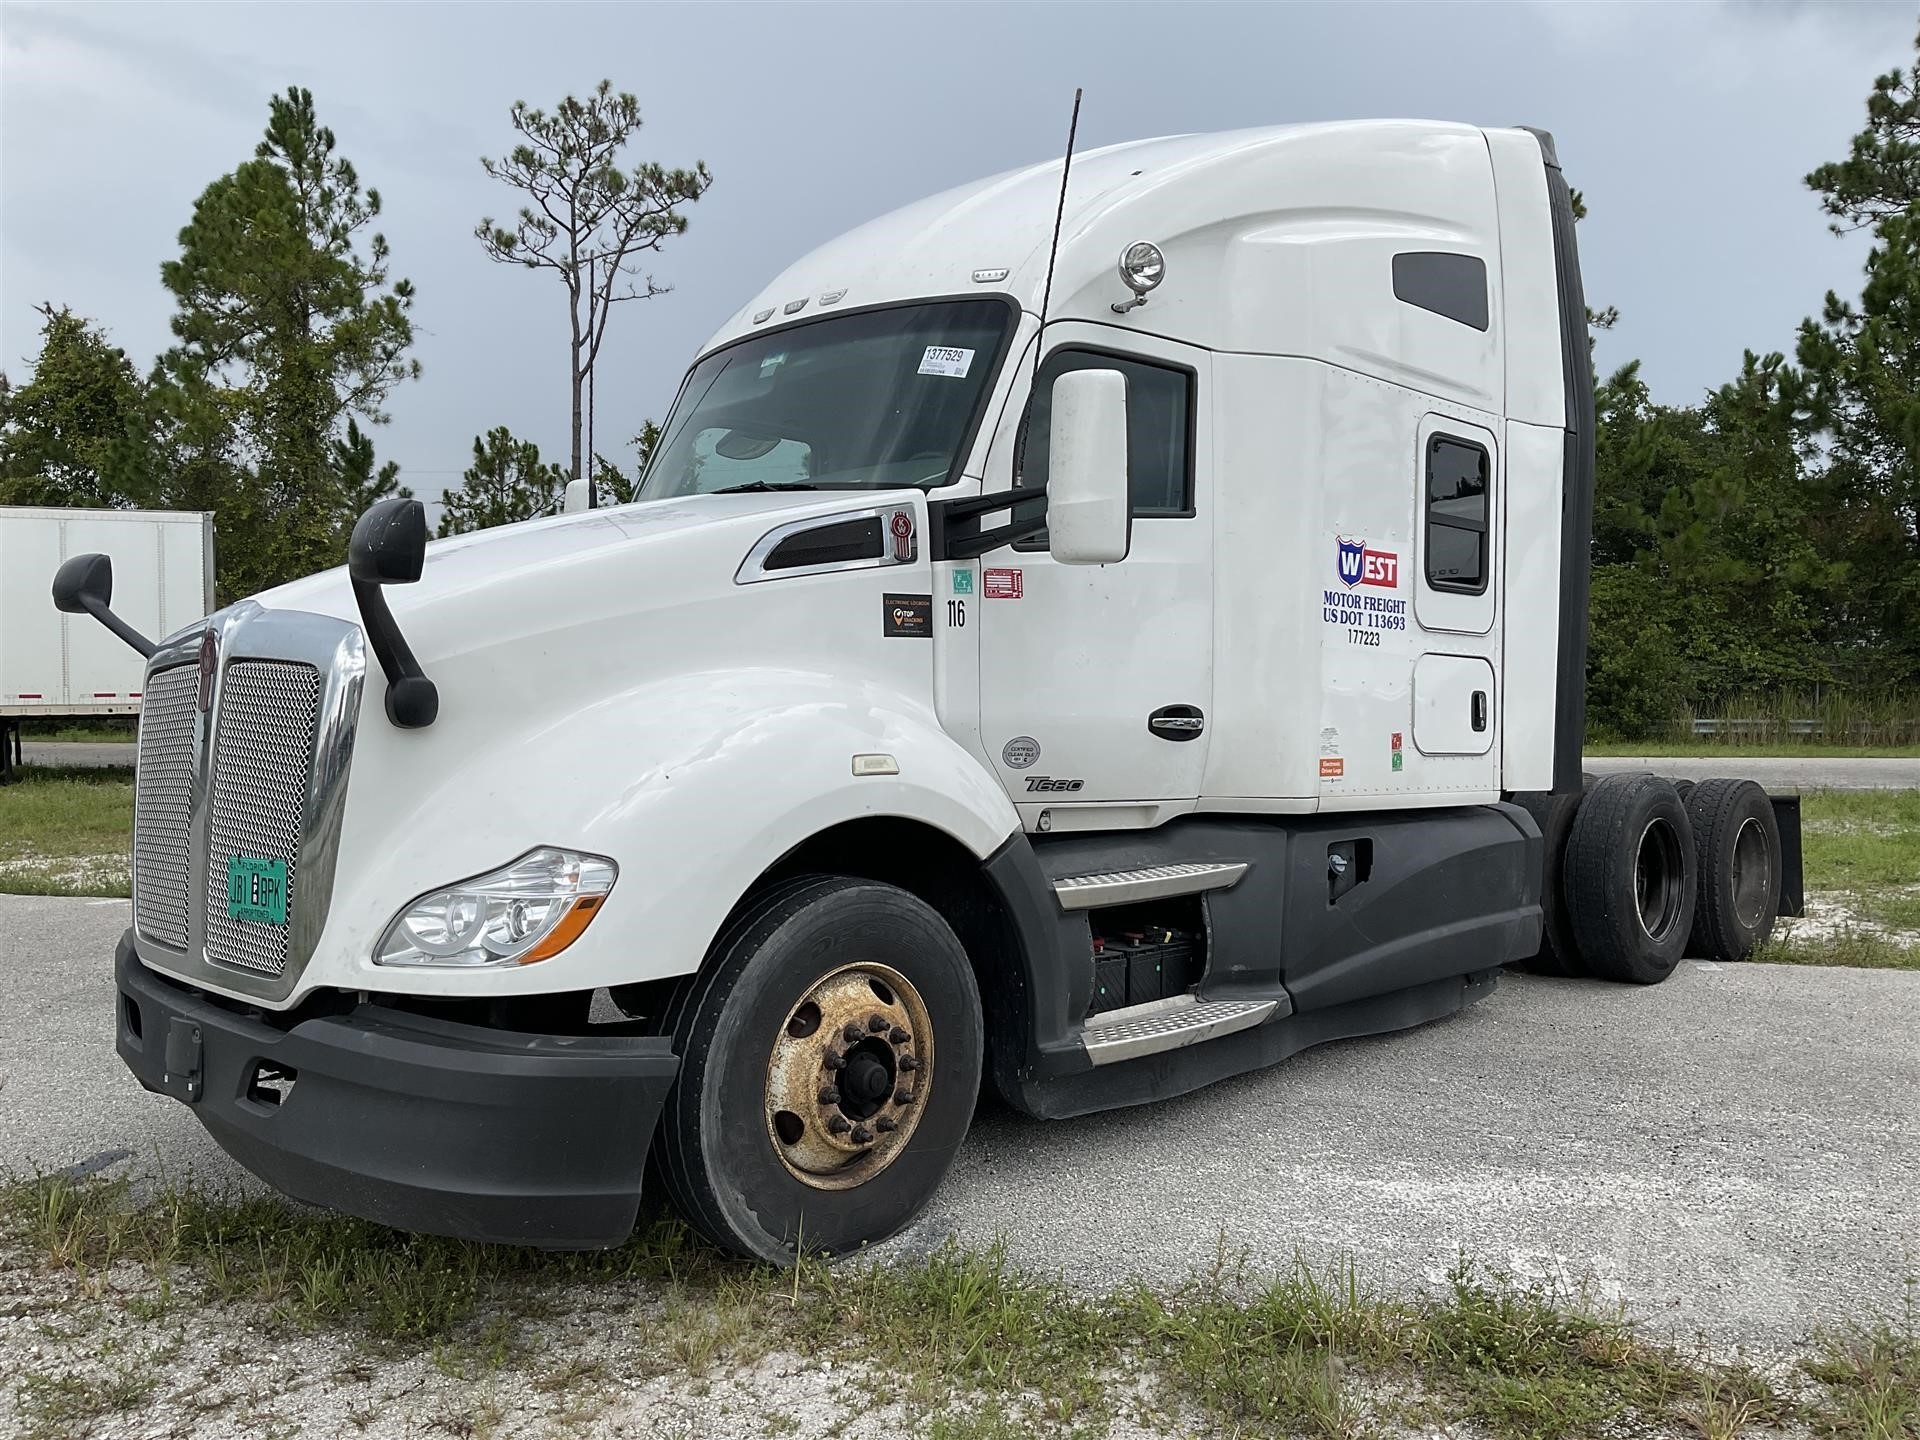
x=830 y=1061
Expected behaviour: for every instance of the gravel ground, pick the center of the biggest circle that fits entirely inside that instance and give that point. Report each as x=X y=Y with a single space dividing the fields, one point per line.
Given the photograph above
x=1732 y=1152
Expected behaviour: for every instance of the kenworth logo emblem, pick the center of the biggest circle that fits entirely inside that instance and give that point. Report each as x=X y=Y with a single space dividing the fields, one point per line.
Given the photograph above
x=1362 y=566
x=209 y=663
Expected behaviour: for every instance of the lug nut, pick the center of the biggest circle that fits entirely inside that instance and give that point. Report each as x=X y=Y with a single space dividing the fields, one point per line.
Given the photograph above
x=876 y=1023
x=909 y=1064
x=834 y=1060
x=862 y=1135
x=839 y=1124
x=852 y=1033
x=903 y=1096
x=899 y=1036
x=886 y=1124
x=829 y=1095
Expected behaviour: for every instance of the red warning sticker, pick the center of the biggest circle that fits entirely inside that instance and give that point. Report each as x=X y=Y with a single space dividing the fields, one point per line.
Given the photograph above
x=1003 y=584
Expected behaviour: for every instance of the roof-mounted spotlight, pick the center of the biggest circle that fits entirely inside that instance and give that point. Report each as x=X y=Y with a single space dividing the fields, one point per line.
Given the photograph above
x=1142 y=267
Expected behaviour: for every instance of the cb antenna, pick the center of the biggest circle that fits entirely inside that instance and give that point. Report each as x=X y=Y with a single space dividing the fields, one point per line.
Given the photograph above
x=1046 y=295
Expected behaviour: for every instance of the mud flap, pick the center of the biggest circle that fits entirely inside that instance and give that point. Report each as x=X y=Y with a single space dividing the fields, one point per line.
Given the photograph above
x=1793 y=892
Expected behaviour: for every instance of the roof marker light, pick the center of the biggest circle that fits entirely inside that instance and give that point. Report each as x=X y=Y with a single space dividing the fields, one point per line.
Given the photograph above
x=794 y=307
x=987 y=277
x=832 y=297
x=760 y=317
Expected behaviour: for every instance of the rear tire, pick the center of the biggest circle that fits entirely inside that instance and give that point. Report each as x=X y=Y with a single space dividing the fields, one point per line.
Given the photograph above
x=1736 y=843
x=751 y=1151
x=1558 y=954
x=1630 y=879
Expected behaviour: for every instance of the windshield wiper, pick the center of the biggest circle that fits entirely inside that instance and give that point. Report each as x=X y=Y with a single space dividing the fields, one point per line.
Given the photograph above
x=758 y=485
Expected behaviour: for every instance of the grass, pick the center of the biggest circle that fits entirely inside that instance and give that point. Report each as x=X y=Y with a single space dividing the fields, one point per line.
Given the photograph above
x=1707 y=748
x=106 y=730
x=970 y=1347
x=1862 y=848
x=66 y=831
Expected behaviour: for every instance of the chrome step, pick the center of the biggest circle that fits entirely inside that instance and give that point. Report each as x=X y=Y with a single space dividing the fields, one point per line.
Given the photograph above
x=1167 y=1025
x=1154 y=882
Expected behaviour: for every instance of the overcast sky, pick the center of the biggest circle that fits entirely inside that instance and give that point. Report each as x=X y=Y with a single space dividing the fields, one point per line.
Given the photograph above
x=1688 y=127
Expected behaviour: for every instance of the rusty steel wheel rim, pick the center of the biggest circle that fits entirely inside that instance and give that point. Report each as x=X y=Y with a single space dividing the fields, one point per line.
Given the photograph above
x=847 y=1076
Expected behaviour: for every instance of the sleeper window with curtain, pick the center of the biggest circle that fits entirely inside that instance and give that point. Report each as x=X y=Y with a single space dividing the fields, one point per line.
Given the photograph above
x=1159 y=433
x=1457 y=482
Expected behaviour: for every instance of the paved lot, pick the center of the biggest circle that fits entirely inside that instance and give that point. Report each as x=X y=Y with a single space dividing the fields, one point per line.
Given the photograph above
x=1735 y=1150
x=1782 y=773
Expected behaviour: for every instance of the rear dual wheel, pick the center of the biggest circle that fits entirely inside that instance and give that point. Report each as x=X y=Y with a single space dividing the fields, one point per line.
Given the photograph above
x=1737 y=852
x=830 y=1060
x=1628 y=879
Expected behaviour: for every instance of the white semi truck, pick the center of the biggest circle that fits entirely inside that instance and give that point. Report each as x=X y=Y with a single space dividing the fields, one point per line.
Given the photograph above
x=1089 y=681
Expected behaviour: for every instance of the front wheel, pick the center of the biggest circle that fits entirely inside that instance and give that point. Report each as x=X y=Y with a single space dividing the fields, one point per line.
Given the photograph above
x=830 y=1060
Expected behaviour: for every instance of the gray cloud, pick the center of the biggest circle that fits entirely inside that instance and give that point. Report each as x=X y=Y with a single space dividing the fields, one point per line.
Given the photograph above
x=1688 y=127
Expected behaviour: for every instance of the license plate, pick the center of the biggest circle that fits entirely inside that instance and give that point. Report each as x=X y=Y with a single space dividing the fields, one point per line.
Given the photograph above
x=257 y=890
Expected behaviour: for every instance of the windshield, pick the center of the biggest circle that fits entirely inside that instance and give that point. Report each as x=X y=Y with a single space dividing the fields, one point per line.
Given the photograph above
x=869 y=401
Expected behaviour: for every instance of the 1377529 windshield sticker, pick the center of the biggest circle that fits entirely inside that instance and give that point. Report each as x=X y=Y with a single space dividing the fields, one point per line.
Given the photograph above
x=946 y=360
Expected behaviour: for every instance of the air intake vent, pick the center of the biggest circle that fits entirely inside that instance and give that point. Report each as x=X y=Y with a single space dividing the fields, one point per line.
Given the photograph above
x=262 y=768
x=162 y=795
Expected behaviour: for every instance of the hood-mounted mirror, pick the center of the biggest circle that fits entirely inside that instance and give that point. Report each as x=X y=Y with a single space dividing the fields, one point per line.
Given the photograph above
x=83 y=585
x=389 y=547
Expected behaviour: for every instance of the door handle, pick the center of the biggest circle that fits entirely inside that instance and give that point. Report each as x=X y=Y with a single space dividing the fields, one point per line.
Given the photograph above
x=1479 y=711
x=1177 y=722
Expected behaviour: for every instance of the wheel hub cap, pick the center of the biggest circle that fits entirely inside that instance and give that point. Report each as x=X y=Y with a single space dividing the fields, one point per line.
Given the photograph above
x=845 y=1076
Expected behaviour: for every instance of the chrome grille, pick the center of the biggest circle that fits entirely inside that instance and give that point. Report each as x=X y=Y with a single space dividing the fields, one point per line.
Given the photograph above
x=162 y=798
x=262 y=766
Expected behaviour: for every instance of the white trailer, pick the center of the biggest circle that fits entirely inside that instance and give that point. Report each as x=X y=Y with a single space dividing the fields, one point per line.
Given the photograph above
x=1093 y=683
x=54 y=664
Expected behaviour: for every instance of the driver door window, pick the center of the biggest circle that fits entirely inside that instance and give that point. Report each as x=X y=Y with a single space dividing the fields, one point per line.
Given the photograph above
x=1159 y=433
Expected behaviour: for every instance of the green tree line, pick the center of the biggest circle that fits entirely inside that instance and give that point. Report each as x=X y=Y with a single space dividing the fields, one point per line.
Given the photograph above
x=1764 y=539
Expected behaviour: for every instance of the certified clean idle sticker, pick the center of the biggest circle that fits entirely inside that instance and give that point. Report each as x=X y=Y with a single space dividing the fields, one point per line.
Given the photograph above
x=1020 y=753
x=945 y=360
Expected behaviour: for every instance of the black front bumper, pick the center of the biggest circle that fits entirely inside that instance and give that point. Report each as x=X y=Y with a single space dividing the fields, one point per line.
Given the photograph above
x=408 y=1120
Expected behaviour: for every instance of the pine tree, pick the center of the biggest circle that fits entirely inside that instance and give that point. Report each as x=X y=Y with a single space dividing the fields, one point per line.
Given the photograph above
x=288 y=323
x=589 y=221
x=505 y=483
x=75 y=434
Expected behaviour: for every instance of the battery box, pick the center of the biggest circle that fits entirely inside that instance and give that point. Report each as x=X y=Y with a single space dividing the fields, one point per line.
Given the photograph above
x=1141 y=965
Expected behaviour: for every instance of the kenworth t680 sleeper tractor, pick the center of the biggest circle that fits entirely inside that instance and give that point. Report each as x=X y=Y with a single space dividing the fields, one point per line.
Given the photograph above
x=1094 y=708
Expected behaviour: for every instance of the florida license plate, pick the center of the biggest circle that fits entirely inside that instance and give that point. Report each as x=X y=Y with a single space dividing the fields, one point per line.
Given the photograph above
x=257 y=890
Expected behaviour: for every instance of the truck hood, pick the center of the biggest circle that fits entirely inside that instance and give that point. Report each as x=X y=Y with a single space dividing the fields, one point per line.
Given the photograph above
x=552 y=548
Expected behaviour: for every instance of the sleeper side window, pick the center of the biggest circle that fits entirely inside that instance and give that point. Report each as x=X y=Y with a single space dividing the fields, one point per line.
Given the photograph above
x=1457 y=499
x=1159 y=433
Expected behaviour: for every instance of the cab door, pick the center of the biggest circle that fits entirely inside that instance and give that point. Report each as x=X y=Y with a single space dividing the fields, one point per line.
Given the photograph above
x=1096 y=681
x=1456 y=692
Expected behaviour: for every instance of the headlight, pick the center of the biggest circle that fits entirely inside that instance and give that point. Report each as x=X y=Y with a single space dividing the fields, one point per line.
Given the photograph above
x=529 y=910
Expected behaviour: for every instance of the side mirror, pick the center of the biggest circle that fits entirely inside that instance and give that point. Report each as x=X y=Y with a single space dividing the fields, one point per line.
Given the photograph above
x=83 y=585
x=389 y=547
x=389 y=543
x=1089 y=516
x=579 y=497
